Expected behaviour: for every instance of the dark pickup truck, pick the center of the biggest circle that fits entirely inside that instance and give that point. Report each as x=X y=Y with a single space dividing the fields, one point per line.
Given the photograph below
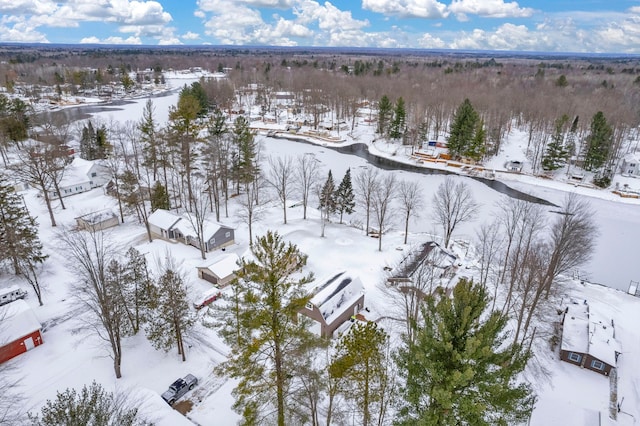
x=179 y=388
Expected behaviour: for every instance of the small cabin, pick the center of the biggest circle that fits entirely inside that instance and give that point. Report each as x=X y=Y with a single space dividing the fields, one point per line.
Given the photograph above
x=20 y=330
x=97 y=221
x=588 y=340
x=337 y=300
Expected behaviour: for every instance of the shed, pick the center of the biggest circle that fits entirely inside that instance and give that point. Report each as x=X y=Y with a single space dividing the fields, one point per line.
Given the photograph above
x=334 y=302
x=221 y=270
x=97 y=221
x=588 y=340
x=20 y=330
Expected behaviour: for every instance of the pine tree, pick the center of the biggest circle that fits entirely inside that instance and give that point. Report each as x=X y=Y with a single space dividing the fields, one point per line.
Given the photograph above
x=263 y=329
x=148 y=134
x=555 y=155
x=398 y=123
x=137 y=289
x=327 y=198
x=170 y=318
x=19 y=242
x=476 y=148
x=598 y=142
x=344 y=196
x=463 y=129
x=245 y=159
x=361 y=361
x=159 y=197
x=458 y=370
x=385 y=109
x=91 y=406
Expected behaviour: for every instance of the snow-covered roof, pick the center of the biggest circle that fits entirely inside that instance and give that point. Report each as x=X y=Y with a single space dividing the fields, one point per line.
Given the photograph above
x=224 y=265
x=337 y=294
x=163 y=219
x=16 y=320
x=575 y=333
x=7 y=290
x=588 y=332
x=95 y=218
x=632 y=157
x=77 y=172
x=186 y=228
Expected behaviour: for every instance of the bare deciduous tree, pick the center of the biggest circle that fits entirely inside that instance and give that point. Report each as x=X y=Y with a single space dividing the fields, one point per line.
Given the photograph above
x=381 y=200
x=307 y=172
x=453 y=204
x=88 y=256
x=279 y=178
x=411 y=201
x=366 y=183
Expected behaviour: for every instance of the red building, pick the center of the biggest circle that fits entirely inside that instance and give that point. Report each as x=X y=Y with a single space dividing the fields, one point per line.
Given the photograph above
x=19 y=330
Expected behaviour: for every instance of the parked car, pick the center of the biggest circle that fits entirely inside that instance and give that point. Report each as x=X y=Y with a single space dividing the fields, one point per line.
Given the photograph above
x=207 y=297
x=179 y=388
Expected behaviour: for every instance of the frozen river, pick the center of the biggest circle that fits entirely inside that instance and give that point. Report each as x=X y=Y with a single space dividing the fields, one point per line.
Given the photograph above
x=614 y=251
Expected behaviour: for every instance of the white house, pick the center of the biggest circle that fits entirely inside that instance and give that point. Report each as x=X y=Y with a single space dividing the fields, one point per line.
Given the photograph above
x=81 y=176
x=631 y=165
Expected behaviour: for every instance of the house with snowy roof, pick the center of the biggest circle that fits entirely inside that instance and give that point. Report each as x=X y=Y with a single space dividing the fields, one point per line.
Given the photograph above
x=221 y=270
x=81 y=176
x=98 y=220
x=169 y=226
x=424 y=268
x=334 y=302
x=20 y=330
x=588 y=340
x=631 y=165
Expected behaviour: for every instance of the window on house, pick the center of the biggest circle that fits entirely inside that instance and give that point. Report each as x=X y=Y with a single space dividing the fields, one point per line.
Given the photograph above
x=94 y=174
x=227 y=235
x=598 y=365
x=309 y=306
x=632 y=164
x=55 y=194
x=575 y=357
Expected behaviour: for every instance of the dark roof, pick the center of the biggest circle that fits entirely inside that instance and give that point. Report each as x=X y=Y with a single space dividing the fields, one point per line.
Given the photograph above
x=413 y=260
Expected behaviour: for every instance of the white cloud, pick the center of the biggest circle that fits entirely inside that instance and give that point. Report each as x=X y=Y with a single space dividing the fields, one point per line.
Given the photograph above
x=190 y=36
x=488 y=9
x=20 y=30
x=431 y=9
x=145 y=16
x=427 y=41
x=111 y=40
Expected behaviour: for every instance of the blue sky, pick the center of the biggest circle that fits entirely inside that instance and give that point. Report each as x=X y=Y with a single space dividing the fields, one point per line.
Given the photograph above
x=592 y=26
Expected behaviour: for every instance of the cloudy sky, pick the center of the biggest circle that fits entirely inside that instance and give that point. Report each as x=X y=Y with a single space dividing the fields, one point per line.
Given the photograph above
x=610 y=26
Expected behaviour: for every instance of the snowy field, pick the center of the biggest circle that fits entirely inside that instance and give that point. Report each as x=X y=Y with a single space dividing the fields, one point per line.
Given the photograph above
x=567 y=395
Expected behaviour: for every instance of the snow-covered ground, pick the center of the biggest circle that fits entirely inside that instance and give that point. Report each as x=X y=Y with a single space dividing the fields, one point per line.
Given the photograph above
x=567 y=395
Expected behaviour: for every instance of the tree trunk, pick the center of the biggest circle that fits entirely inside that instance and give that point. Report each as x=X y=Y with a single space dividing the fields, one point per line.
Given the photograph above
x=48 y=203
x=279 y=382
x=55 y=185
x=406 y=227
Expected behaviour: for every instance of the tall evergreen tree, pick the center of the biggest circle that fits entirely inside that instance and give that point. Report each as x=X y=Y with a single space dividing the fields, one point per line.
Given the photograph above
x=463 y=129
x=344 y=196
x=327 y=198
x=458 y=370
x=263 y=328
x=245 y=163
x=555 y=155
x=385 y=110
x=399 y=121
x=148 y=133
x=19 y=242
x=598 y=143
x=476 y=148
x=170 y=318
x=361 y=360
x=159 y=197
x=92 y=406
